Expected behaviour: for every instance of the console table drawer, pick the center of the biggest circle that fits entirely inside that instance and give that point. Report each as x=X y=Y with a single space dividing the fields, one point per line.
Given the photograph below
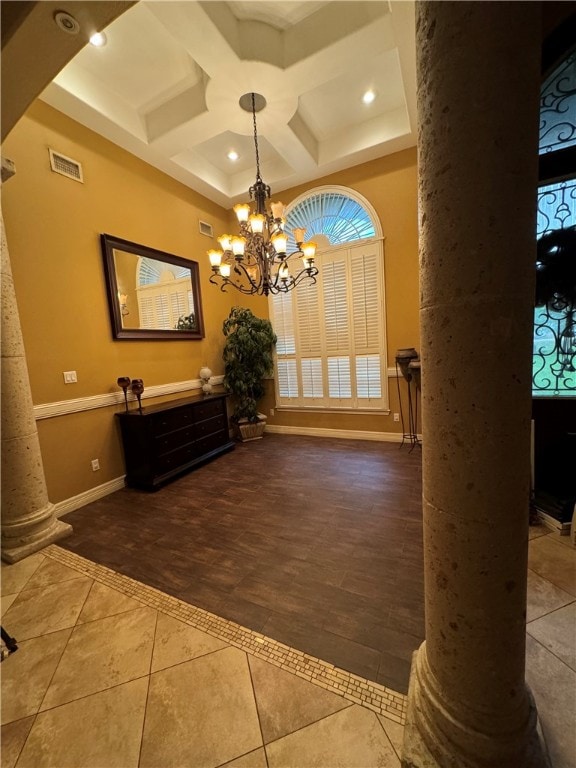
x=209 y=409
x=209 y=426
x=172 y=440
x=178 y=458
x=162 y=441
x=172 y=420
x=208 y=443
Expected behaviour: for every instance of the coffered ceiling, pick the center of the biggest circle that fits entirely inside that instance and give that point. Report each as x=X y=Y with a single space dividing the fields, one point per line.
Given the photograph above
x=166 y=87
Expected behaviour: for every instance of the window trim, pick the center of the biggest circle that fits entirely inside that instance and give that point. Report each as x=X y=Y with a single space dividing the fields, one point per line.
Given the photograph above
x=378 y=241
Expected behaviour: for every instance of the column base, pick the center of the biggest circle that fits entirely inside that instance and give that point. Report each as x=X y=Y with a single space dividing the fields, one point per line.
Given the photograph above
x=426 y=745
x=18 y=548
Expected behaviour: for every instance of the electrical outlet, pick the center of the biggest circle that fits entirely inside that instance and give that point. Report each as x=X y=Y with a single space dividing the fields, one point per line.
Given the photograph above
x=70 y=377
x=271 y=411
x=95 y=465
x=396 y=417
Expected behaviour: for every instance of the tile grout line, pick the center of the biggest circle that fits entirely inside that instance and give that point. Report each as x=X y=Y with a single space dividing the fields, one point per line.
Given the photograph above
x=354 y=688
x=549 y=613
x=551 y=652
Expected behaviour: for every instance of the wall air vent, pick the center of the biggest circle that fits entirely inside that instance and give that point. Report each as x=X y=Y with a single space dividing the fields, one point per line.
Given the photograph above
x=66 y=166
x=206 y=229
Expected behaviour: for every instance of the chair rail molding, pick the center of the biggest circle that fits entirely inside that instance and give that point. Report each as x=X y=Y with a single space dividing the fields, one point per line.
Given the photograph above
x=88 y=403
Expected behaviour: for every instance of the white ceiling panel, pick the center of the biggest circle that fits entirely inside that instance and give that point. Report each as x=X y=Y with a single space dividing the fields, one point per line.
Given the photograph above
x=337 y=105
x=141 y=60
x=166 y=87
x=280 y=15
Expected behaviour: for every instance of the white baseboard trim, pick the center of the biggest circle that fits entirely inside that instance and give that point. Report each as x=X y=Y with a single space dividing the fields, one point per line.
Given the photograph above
x=62 y=508
x=344 y=434
x=74 y=405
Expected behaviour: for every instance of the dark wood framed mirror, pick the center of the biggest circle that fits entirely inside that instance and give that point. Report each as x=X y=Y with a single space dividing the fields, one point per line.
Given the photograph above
x=151 y=294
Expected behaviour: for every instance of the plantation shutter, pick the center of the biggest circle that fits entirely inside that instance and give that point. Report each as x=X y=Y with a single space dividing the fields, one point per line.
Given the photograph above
x=308 y=314
x=335 y=291
x=162 y=313
x=331 y=350
x=146 y=311
x=283 y=323
x=178 y=307
x=287 y=379
x=312 y=379
x=367 y=323
x=337 y=328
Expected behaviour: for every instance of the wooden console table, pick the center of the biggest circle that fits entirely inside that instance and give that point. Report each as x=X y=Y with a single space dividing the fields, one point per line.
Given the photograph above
x=165 y=440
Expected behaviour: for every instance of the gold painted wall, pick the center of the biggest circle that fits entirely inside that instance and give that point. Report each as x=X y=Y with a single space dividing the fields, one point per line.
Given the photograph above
x=53 y=226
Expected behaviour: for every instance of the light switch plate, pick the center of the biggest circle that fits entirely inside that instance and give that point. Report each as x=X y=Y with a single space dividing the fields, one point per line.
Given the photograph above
x=70 y=377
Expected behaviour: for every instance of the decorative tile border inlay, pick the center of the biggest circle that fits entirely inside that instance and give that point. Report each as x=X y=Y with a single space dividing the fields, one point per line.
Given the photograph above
x=367 y=693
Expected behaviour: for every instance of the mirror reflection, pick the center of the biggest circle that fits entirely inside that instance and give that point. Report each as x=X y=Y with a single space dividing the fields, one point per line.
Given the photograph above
x=152 y=294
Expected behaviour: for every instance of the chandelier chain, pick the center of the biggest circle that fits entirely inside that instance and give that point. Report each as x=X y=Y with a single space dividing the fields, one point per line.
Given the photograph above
x=258 y=178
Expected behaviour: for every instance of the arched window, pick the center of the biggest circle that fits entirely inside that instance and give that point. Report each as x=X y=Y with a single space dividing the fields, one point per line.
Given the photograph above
x=554 y=359
x=334 y=215
x=331 y=350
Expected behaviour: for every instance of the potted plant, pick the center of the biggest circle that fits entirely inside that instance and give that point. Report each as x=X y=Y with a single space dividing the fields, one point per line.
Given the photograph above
x=248 y=359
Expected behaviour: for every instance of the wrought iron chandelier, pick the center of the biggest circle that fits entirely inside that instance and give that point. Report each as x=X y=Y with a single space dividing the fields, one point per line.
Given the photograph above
x=256 y=261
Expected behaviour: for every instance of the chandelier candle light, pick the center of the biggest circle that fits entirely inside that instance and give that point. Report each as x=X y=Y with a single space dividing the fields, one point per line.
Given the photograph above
x=256 y=262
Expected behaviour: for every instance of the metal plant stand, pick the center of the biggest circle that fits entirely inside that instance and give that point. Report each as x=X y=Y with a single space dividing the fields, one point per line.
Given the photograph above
x=9 y=642
x=408 y=368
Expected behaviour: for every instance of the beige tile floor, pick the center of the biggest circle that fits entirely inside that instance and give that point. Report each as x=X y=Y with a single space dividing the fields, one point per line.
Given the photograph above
x=105 y=677
x=551 y=640
x=101 y=679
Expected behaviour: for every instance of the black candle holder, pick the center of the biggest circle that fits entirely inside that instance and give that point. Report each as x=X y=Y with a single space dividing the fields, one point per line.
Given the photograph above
x=137 y=389
x=124 y=382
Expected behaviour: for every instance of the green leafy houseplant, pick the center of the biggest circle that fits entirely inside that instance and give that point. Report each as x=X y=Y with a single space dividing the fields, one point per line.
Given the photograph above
x=186 y=323
x=248 y=359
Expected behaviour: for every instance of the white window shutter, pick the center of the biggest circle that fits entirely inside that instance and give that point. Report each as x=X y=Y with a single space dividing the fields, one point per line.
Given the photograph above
x=336 y=326
x=368 y=377
x=312 y=379
x=309 y=321
x=287 y=378
x=339 y=382
x=146 y=311
x=178 y=307
x=161 y=311
x=366 y=302
x=283 y=322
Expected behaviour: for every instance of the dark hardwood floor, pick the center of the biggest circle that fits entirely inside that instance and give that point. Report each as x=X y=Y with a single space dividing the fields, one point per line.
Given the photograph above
x=314 y=542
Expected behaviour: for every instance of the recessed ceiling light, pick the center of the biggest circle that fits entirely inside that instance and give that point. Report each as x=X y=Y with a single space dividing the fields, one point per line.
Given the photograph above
x=98 y=39
x=232 y=155
x=66 y=22
x=369 y=97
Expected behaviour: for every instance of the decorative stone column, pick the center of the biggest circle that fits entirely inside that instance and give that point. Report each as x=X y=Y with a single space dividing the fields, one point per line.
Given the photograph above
x=478 y=98
x=28 y=521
